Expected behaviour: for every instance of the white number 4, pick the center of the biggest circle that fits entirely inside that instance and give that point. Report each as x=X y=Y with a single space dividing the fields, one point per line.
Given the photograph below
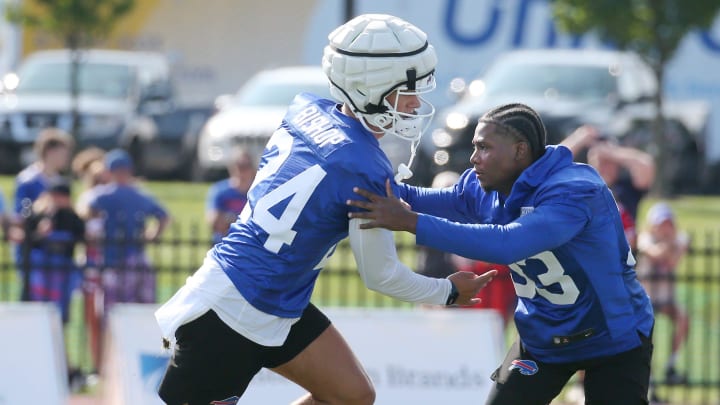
x=280 y=230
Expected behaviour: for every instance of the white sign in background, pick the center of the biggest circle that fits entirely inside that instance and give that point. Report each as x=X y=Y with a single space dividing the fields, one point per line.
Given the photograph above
x=32 y=356
x=420 y=356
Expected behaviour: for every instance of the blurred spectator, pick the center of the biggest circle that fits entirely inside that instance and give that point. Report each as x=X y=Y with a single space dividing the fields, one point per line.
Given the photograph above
x=226 y=198
x=628 y=172
x=84 y=158
x=89 y=167
x=50 y=233
x=124 y=209
x=95 y=175
x=661 y=245
x=53 y=148
x=122 y=219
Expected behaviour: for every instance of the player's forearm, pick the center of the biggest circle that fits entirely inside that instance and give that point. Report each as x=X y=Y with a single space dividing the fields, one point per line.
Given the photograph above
x=502 y=244
x=477 y=242
x=382 y=271
x=432 y=201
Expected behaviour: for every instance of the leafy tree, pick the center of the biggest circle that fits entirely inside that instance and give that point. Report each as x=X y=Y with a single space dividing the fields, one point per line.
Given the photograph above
x=78 y=23
x=652 y=28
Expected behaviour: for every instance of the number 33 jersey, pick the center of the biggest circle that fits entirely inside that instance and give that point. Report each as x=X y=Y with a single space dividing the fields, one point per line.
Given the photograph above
x=559 y=230
x=296 y=211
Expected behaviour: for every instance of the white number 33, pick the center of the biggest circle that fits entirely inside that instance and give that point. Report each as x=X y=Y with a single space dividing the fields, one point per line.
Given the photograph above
x=555 y=274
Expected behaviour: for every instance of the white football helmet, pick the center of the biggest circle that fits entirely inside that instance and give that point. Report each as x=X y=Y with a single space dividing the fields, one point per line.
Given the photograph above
x=370 y=57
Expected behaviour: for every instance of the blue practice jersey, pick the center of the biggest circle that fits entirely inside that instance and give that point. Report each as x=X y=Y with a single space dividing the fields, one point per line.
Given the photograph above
x=296 y=212
x=29 y=184
x=560 y=232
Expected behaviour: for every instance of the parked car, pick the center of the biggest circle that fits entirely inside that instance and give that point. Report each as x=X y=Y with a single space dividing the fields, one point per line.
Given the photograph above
x=125 y=99
x=249 y=117
x=612 y=90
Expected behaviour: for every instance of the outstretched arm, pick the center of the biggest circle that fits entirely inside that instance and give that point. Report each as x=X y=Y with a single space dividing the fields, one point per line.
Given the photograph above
x=547 y=227
x=382 y=271
x=456 y=202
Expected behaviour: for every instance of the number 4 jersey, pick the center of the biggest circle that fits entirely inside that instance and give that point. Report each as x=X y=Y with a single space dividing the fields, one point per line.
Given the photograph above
x=560 y=232
x=296 y=211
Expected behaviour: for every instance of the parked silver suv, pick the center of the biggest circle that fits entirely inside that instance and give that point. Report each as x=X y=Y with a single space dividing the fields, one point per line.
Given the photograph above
x=125 y=99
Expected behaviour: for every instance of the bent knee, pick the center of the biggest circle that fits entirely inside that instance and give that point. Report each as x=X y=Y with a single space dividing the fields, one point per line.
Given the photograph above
x=361 y=395
x=365 y=397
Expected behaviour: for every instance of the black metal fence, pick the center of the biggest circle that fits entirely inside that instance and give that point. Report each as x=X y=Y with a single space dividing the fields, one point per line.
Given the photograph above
x=696 y=287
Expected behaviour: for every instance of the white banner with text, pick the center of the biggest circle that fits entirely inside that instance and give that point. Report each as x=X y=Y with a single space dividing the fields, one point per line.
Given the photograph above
x=419 y=356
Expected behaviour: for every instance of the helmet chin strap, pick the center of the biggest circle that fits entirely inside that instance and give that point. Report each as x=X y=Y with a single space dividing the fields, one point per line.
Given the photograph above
x=403 y=173
x=403 y=169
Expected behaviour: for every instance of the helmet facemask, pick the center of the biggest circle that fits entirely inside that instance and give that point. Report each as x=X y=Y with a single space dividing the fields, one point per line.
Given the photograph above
x=408 y=126
x=373 y=62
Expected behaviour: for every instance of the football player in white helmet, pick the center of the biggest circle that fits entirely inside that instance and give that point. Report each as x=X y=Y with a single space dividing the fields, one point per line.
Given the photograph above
x=248 y=307
x=379 y=67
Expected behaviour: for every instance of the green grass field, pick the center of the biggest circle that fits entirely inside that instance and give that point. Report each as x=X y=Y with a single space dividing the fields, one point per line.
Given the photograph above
x=186 y=243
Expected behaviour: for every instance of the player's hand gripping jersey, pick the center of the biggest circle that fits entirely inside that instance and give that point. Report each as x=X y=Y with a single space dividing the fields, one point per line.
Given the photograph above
x=296 y=212
x=560 y=232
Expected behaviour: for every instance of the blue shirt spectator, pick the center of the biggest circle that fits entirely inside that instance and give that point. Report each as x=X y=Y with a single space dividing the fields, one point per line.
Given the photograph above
x=29 y=184
x=53 y=148
x=125 y=209
x=226 y=198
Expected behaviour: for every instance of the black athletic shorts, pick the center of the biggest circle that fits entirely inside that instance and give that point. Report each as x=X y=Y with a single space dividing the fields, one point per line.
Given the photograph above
x=212 y=362
x=621 y=379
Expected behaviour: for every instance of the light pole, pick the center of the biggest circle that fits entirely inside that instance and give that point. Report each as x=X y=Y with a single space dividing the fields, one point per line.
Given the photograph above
x=349 y=10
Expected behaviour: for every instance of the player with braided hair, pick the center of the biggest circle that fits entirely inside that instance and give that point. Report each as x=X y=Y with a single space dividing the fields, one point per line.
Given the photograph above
x=524 y=122
x=248 y=306
x=556 y=225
